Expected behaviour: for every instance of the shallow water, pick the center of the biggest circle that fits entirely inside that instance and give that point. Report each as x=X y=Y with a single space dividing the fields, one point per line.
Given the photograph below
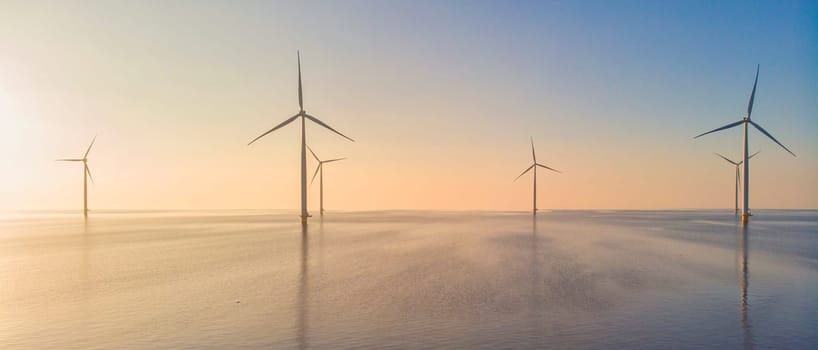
x=436 y=280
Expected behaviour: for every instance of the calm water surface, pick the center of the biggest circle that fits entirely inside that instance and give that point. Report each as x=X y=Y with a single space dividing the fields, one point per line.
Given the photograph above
x=417 y=280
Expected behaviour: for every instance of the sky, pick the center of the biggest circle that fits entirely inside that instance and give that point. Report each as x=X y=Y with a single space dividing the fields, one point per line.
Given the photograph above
x=441 y=97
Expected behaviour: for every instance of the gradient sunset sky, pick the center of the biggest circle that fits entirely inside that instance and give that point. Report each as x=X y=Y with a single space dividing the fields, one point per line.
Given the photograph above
x=441 y=97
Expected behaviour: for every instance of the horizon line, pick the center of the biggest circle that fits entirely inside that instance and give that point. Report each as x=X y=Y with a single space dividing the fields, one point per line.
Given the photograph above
x=375 y=210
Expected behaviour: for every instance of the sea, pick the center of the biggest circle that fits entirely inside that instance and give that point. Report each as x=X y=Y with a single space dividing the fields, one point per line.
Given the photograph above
x=687 y=279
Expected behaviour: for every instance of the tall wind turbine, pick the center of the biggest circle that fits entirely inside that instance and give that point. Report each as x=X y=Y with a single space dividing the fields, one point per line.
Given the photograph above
x=534 y=166
x=320 y=169
x=86 y=174
x=303 y=115
x=745 y=212
x=738 y=175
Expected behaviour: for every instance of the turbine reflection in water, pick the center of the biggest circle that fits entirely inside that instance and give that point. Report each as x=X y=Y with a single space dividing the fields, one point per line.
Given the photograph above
x=536 y=279
x=85 y=277
x=303 y=288
x=745 y=272
x=408 y=280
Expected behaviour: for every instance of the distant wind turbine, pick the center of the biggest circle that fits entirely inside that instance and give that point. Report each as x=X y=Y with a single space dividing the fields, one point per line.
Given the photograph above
x=303 y=115
x=534 y=166
x=745 y=212
x=738 y=175
x=320 y=169
x=86 y=174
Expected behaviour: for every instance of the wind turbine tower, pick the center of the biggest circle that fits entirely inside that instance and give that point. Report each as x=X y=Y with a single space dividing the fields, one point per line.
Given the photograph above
x=534 y=166
x=738 y=175
x=86 y=174
x=320 y=169
x=302 y=114
x=745 y=211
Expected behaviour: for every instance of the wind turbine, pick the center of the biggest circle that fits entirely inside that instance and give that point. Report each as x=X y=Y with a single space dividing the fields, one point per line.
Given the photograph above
x=738 y=175
x=745 y=212
x=320 y=169
x=534 y=166
x=86 y=174
x=303 y=115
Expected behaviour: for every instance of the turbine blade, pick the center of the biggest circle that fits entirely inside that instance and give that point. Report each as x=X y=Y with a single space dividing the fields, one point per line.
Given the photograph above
x=533 y=155
x=754 y=154
x=89 y=147
x=752 y=94
x=728 y=126
x=275 y=128
x=770 y=136
x=68 y=160
x=326 y=126
x=87 y=170
x=540 y=165
x=725 y=158
x=526 y=170
x=313 y=154
x=333 y=160
x=300 y=96
x=316 y=173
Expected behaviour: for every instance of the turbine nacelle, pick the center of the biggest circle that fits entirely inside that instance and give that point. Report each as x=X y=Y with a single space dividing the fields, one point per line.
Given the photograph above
x=535 y=164
x=320 y=163
x=739 y=162
x=747 y=120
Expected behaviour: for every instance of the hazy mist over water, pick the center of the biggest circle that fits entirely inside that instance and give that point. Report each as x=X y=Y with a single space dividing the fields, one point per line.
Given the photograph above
x=408 y=279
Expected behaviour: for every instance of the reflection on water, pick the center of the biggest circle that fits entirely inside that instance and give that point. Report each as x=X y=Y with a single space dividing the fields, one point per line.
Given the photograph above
x=536 y=277
x=303 y=289
x=86 y=274
x=408 y=280
x=745 y=271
